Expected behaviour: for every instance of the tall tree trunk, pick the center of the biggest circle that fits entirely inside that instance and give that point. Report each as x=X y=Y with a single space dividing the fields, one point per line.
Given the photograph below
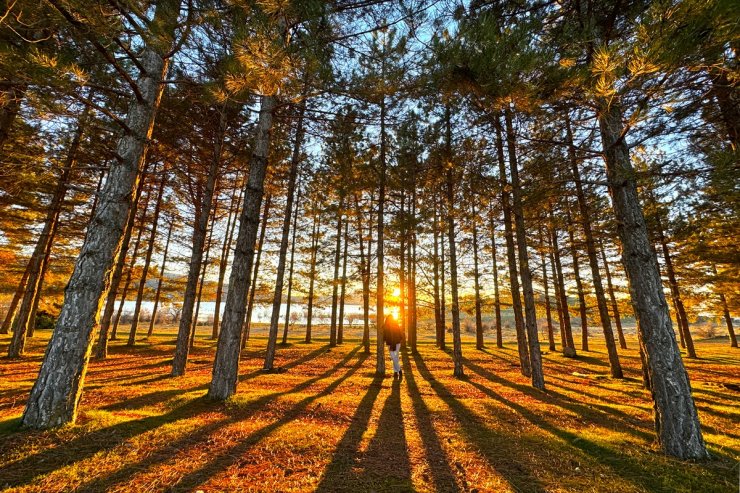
x=161 y=279
x=147 y=260
x=101 y=348
x=312 y=274
x=335 y=280
x=450 y=189
x=606 y=324
x=380 y=248
x=516 y=302
x=443 y=283
x=556 y=288
x=365 y=273
x=132 y=265
x=476 y=280
x=412 y=270
x=282 y=257
x=535 y=353
x=226 y=364
x=496 y=295
x=223 y=262
x=182 y=347
x=403 y=320
x=438 y=323
x=546 y=286
x=676 y=419
x=256 y=270
x=290 y=269
x=42 y=276
x=34 y=279
x=582 y=307
x=203 y=271
x=57 y=390
x=613 y=299
x=728 y=320
x=343 y=289
x=569 y=347
x=681 y=319
x=10 y=314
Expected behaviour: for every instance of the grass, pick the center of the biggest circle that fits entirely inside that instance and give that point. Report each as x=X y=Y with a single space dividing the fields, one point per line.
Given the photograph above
x=327 y=423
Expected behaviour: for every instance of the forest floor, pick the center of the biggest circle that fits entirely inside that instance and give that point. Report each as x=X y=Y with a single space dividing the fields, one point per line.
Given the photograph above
x=327 y=423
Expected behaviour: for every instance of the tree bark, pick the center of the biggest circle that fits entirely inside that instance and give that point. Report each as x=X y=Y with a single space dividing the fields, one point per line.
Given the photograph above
x=496 y=295
x=10 y=314
x=676 y=419
x=225 y=250
x=256 y=270
x=147 y=260
x=535 y=353
x=516 y=302
x=335 y=279
x=161 y=279
x=567 y=335
x=611 y=347
x=380 y=248
x=365 y=273
x=613 y=298
x=57 y=390
x=438 y=322
x=203 y=271
x=312 y=273
x=343 y=289
x=290 y=269
x=476 y=282
x=546 y=286
x=582 y=307
x=226 y=364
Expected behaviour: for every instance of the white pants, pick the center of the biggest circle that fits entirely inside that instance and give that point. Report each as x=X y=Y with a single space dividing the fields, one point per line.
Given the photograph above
x=394 y=357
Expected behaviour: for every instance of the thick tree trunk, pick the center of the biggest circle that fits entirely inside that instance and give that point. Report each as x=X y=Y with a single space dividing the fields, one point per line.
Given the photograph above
x=496 y=294
x=606 y=324
x=582 y=307
x=343 y=289
x=535 y=353
x=282 y=256
x=569 y=347
x=290 y=270
x=223 y=263
x=681 y=319
x=256 y=271
x=34 y=280
x=101 y=349
x=457 y=357
x=613 y=299
x=161 y=279
x=516 y=302
x=312 y=273
x=147 y=260
x=226 y=364
x=57 y=390
x=676 y=419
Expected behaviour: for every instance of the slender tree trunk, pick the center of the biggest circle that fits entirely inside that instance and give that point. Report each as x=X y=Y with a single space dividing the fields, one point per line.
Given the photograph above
x=256 y=270
x=343 y=290
x=226 y=364
x=182 y=347
x=438 y=323
x=681 y=319
x=516 y=302
x=312 y=273
x=225 y=250
x=728 y=320
x=450 y=189
x=8 y=321
x=476 y=279
x=101 y=349
x=202 y=282
x=290 y=269
x=147 y=260
x=380 y=249
x=496 y=295
x=535 y=353
x=161 y=279
x=569 y=347
x=365 y=273
x=613 y=299
x=34 y=280
x=606 y=324
x=582 y=307
x=443 y=283
x=402 y=271
x=57 y=391
x=556 y=288
x=412 y=269
x=42 y=276
x=546 y=286
x=335 y=281
x=676 y=419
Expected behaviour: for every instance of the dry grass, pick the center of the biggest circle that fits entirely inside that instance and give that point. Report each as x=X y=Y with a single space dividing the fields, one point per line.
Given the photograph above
x=327 y=423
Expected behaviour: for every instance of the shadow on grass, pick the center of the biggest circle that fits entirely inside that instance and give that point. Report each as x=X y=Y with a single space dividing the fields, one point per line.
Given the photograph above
x=202 y=433
x=497 y=448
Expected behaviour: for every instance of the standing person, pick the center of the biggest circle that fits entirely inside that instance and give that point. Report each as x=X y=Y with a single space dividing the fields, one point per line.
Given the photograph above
x=393 y=336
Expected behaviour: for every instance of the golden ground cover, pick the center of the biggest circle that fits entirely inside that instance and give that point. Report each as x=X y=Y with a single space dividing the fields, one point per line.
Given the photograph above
x=327 y=423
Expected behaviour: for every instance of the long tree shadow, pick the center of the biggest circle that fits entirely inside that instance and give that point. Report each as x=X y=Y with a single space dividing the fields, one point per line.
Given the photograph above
x=345 y=455
x=233 y=455
x=203 y=432
x=385 y=464
x=88 y=444
x=442 y=475
x=497 y=448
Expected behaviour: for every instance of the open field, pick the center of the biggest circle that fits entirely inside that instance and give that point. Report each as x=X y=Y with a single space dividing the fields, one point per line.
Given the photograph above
x=327 y=423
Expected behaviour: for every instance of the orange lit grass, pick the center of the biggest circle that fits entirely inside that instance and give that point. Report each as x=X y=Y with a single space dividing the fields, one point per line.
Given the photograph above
x=328 y=423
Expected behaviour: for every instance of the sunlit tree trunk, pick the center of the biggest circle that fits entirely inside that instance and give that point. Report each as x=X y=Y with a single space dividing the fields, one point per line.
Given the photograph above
x=569 y=347
x=365 y=273
x=496 y=295
x=380 y=248
x=676 y=419
x=256 y=270
x=613 y=299
x=335 y=280
x=582 y=307
x=546 y=287
x=343 y=289
x=161 y=280
x=516 y=302
x=291 y=264
x=226 y=363
x=223 y=262
x=438 y=322
x=58 y=388
x=203 y=272
x=312 y=273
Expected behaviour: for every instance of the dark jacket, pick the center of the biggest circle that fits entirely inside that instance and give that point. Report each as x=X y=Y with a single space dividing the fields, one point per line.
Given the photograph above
x=392 y=332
